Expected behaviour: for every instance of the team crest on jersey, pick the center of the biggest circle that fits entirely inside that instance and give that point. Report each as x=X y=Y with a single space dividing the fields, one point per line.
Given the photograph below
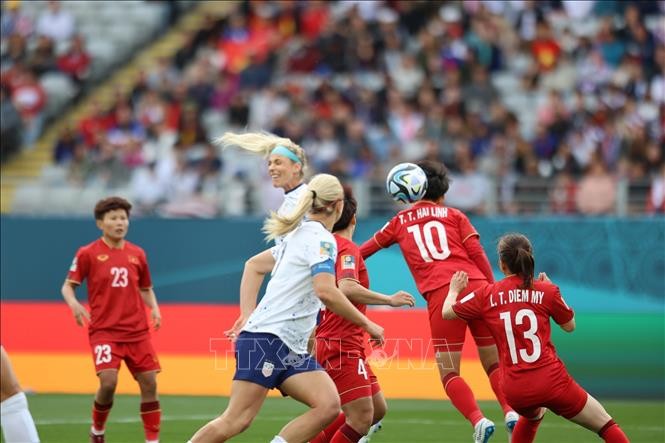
x=348 y=262
x=133 y=260
x=267 y=369
x=326 y=248
x=102 y=257
x=73 y=267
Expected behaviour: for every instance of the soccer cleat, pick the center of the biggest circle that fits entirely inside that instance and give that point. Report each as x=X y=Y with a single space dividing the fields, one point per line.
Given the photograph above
x=483 y=431
x=511 y=421
x=95 y=438
x=376 y=427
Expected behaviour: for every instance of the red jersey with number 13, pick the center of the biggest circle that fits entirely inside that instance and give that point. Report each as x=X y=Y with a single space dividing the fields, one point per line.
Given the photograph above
x=519 y=320
x=114 y=277
x=431 y=238
x=351 y=265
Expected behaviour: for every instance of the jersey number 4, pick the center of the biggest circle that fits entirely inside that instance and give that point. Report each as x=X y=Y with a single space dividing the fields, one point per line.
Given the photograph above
x=428 y=250
x=120 y=279
x=529 y=334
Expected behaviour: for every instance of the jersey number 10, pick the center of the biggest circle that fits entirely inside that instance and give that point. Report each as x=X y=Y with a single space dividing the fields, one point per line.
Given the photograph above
x=428 y=250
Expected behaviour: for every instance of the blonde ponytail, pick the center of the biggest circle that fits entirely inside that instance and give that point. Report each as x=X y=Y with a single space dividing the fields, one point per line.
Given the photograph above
x=261 y=143
x=321 y=194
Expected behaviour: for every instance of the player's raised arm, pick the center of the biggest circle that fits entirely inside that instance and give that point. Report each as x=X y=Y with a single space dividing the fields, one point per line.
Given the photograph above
x=457 y=284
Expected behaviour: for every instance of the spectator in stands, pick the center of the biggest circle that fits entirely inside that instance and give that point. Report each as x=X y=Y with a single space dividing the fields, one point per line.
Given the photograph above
x=10 y=126
x=75 y=62
x=562 y=194
x=65 y=146
x=656 y=200
x=234 y=76
x=596 y=192
x=42 y=58
x=30 y=99
x=13 y=21
x=469 y=189
x=56 y=23
x=545 y=48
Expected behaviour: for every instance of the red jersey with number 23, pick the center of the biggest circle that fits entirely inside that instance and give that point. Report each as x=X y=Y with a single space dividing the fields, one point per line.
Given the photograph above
x=114 y=277
x=431 y=238
x=519 y=320
x=351 y=265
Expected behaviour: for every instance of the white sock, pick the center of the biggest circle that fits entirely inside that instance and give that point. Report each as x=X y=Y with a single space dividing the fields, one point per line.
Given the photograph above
x=16 y=421
x=152 y=441
x=278 y=439
x=95 y=431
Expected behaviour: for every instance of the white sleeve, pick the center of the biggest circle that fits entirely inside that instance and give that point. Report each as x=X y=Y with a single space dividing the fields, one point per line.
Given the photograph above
x=320 y=248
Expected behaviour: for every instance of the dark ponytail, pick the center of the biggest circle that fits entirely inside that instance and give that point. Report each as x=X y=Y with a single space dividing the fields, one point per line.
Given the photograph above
x=516 y=253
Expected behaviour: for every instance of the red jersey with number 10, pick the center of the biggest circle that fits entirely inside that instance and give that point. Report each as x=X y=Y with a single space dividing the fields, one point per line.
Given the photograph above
x=351 y=265
x=114 y=277
x=519 y=320
x=431 y=238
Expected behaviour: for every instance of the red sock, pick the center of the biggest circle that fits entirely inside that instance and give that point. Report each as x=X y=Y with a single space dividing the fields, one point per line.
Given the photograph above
x=327 y=434
x=99 y=415
x=494 y=375
x=346 y=434
x=525 y=430
x=612 y=433
x=461 y=397
x=151 y=415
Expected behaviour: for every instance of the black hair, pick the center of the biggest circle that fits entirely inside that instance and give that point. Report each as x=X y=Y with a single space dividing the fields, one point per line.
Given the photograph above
x=111 y=204
x=516 y=253
x=350 y=206
x=437 y=179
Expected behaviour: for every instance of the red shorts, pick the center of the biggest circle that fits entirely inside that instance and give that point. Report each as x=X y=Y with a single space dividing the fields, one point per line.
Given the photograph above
x=139 y=356
x=350 y=372
x=561 y=395
x=448 y=335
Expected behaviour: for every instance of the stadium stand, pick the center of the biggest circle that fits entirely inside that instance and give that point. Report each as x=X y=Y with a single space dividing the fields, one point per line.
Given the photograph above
x=536 y=107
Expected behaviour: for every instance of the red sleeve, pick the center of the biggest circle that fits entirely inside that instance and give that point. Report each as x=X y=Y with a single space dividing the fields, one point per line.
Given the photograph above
x=559 y=310
x=477 y=254
x=381 y=239
x=347 y=265
x=470 y=306
x=80 y=267
x=145 y=281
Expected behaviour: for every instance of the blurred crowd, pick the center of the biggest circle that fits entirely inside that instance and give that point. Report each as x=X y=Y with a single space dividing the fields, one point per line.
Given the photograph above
x=534 y=106
x=34 y=49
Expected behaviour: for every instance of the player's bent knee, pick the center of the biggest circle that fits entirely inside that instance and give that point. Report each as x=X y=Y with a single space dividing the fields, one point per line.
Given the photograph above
x=329 y=409
x=361 y=420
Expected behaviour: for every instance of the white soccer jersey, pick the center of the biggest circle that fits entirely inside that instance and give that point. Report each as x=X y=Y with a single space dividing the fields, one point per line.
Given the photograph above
x=289 y=307
x=289 y=204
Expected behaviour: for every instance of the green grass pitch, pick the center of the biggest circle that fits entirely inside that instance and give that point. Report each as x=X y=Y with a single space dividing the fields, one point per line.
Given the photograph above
x=65 y=419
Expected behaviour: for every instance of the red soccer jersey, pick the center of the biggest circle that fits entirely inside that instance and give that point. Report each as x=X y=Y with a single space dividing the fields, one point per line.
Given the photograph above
x=350 y=264
x=519 y=320
x=431 y=238
x=114 y=278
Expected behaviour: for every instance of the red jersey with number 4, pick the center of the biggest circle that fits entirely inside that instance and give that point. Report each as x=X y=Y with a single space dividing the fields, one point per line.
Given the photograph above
x=114 y=277
x=431 y=238
x=519 y=320
x=351 y=265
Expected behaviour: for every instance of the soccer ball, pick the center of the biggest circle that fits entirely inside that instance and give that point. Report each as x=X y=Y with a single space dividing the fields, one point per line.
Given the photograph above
x=406 y=183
